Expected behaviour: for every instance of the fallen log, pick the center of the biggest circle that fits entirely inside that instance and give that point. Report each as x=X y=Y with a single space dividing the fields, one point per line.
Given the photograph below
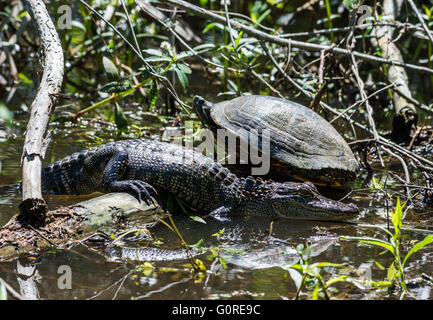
x=68 y=226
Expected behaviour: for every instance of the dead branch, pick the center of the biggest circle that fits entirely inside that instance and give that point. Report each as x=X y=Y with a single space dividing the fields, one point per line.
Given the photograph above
x=44 y=103
x=289 y=42
x=405 y=117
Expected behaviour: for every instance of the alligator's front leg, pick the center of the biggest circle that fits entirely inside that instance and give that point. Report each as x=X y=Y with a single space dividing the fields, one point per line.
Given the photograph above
x=116 y=161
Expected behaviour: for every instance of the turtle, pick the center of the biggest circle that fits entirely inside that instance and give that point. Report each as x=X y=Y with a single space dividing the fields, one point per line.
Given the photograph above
x=303 y=145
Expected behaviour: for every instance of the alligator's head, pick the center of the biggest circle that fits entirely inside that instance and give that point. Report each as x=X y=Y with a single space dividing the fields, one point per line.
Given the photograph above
x=303 y=201
x=203 y=108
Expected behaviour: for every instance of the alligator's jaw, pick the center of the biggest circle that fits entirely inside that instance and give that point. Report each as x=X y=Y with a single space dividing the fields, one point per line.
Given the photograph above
x=322 y=209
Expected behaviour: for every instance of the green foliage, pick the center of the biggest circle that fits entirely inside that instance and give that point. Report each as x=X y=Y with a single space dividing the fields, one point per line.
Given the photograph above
x=120 y=119
x=5 y=114
x=395 y=271
x=351 y=4
x=308 y=274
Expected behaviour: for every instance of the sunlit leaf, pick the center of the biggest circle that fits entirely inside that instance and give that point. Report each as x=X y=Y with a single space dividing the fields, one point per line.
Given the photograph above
x=110 y=69
x=198 y=219
x=296 y=277
x=24 y=78
x=5 y=114
x=396 y=219
x=373 y=241
x=381 y=267
x=427 y=240
x=315 y=294
x=392 y=272
x=183 y=79
x=200 y=265
x=336 y=279
x=223 y=262
x=238 y=39
x=153 y=95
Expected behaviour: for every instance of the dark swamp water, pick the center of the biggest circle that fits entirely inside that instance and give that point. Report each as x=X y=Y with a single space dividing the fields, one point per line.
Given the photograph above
x=254 y=265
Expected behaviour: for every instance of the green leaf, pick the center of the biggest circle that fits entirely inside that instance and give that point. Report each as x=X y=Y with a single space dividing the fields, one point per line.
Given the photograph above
x=24 y=78
x=183 y=79
x=238 y=39
x=120 y=119
x=198 y=244
x=396 y=219
x=213 y=25
x=373 y=241
x=315 y=294
x=153 y=95
x=350 y=4
x=264 y=15
x=110 y=70
x=223 y=262
x=336 y=279
x=296 y=277
x=325 y=264
x=198 y=219
x=22 y=14
x=392 y=272
x=113 y=87
x=427 y=11
x=427 y=240
x=5 y=114
x=381 y=267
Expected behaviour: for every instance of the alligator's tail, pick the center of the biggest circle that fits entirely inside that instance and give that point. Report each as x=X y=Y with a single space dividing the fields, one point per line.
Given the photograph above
x=67 y=176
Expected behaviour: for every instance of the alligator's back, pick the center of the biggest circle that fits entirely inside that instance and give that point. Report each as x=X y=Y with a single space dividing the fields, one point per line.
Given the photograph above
x=187 y=174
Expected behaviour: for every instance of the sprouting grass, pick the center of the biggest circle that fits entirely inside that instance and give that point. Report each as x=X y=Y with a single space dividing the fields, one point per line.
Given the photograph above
x=329 y=15
x=308 y=275
x=395 y=271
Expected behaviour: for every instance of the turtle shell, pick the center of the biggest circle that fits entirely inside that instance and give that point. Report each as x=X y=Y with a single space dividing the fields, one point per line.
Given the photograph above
x=299 y=137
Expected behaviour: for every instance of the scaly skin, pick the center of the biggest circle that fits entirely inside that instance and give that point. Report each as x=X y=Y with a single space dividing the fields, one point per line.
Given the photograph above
x=143 y=166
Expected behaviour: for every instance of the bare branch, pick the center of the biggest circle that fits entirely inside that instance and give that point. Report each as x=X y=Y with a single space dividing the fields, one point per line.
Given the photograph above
x=36 y=141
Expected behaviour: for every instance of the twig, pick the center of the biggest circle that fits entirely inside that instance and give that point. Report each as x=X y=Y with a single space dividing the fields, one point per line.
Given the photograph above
x=131 y=27
x=406 y=171
x=11 y=290
x=418 y=15
x=296 y=44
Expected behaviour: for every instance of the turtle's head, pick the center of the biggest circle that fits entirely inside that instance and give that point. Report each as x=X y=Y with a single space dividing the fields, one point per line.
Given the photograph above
x=202 y=108
x=303 y=201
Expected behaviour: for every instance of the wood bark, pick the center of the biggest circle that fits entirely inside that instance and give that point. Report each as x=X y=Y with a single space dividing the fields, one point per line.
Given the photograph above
x=405 y=117
x=36 y=140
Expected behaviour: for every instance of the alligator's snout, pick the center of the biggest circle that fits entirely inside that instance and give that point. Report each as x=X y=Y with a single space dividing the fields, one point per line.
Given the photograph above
x=296 y=201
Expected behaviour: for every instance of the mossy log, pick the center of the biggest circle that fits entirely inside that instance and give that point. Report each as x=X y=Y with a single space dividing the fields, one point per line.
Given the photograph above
x=67 y=226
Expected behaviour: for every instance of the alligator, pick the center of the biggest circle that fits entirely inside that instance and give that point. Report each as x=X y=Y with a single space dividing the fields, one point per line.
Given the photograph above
x=145 y=167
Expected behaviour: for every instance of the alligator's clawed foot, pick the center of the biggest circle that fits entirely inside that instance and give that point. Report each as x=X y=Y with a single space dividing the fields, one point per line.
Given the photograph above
x=139 y=189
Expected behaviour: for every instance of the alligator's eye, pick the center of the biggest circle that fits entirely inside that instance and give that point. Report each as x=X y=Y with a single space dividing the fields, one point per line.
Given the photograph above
x=309 y=187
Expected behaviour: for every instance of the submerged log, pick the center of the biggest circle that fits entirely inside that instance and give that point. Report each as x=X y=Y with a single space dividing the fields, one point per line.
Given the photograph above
x=67 y=226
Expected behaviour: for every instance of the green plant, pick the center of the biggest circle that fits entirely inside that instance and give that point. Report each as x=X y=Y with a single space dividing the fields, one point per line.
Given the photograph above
x=308 y=274
x=393 y=245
